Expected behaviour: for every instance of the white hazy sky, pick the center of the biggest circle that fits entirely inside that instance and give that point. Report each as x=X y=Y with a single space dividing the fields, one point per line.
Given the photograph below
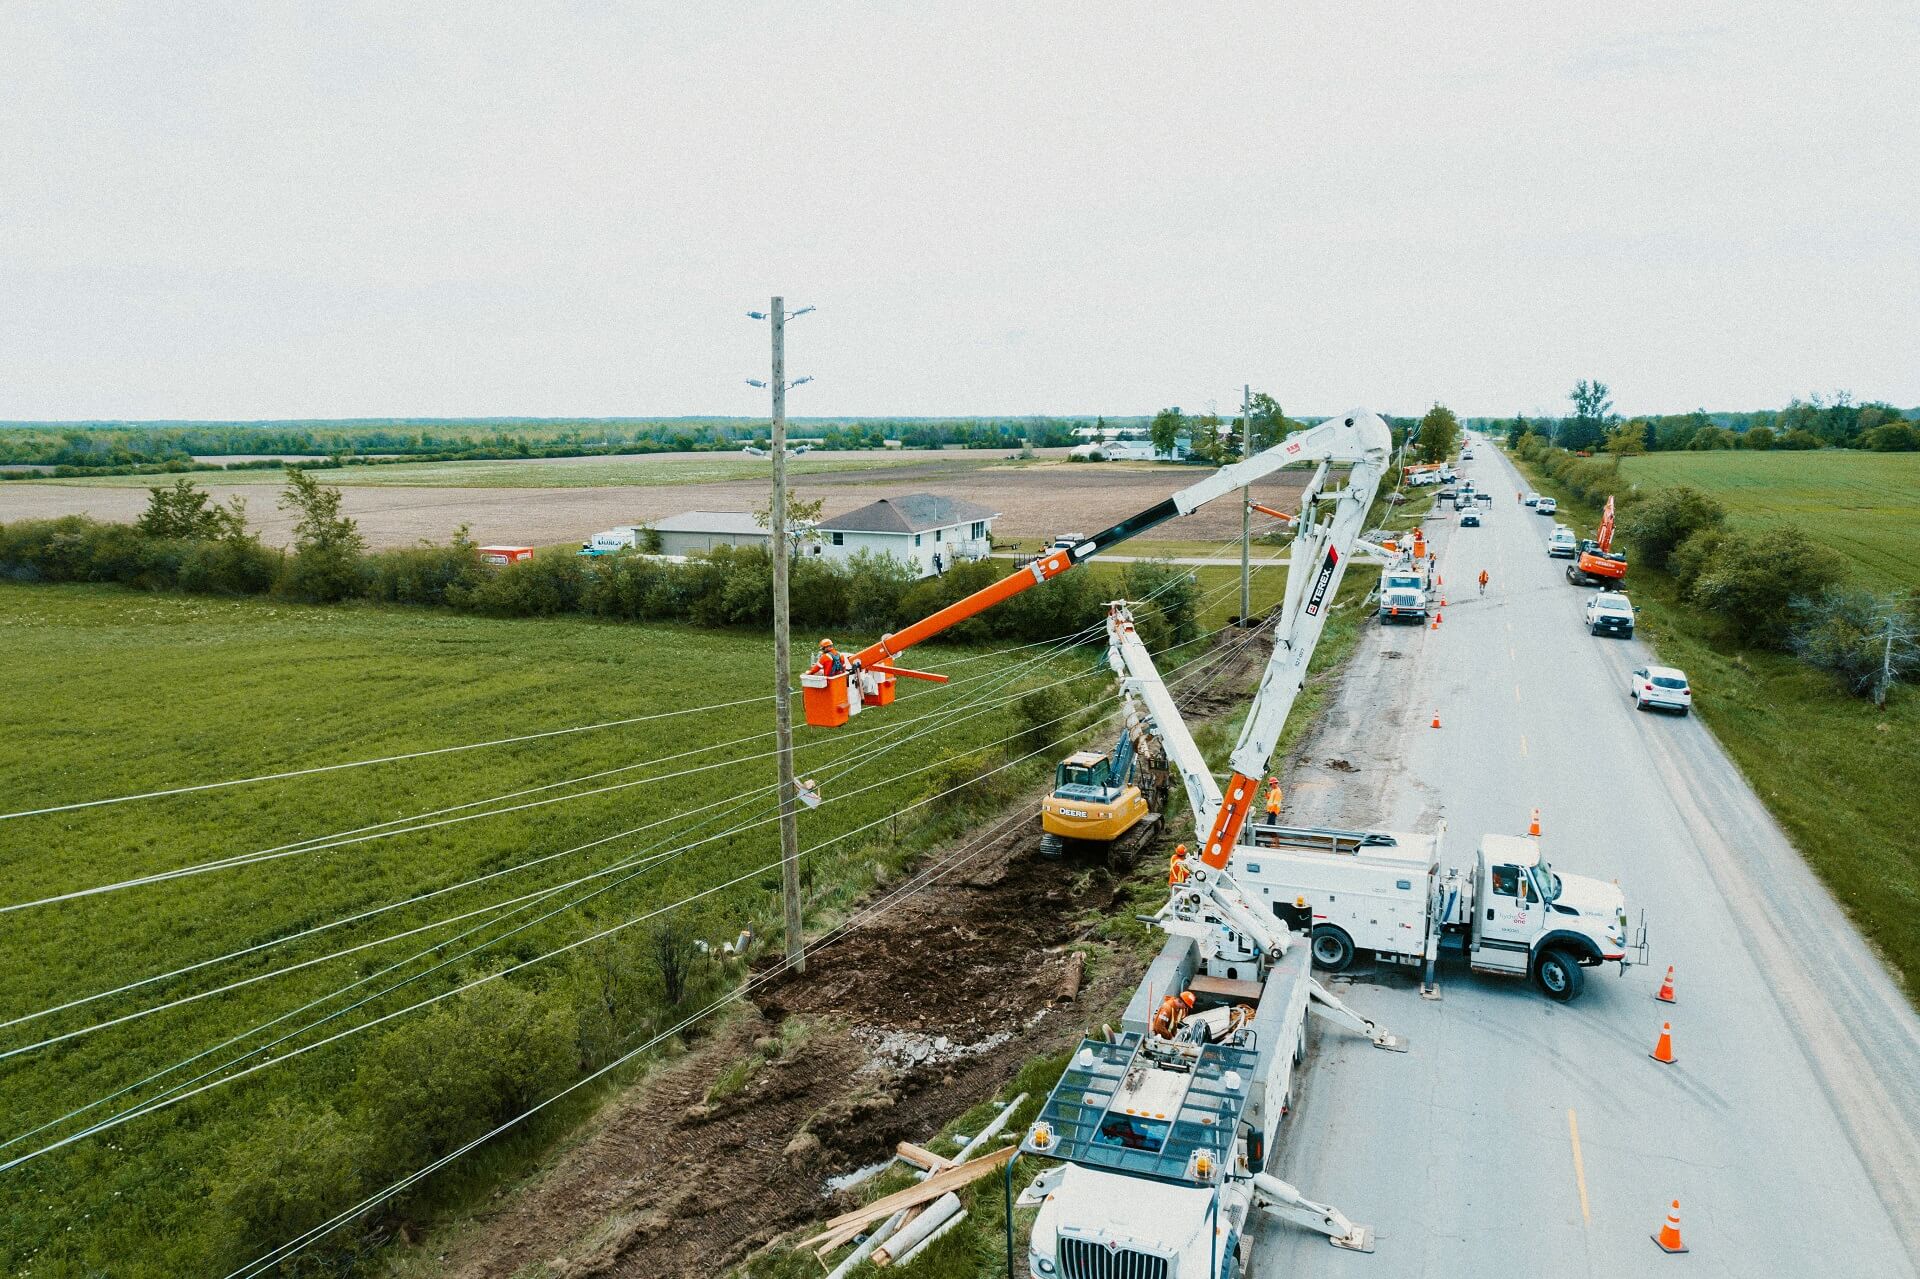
x=256 y=210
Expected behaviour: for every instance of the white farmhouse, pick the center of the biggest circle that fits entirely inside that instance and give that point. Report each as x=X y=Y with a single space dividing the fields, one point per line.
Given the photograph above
x=922 y=530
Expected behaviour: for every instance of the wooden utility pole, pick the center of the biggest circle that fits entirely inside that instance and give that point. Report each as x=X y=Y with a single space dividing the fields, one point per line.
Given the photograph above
x=1246 y=511
x=783 y=648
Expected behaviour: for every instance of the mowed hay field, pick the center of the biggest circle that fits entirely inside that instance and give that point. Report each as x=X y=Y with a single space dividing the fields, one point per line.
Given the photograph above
x=563 y=501
x=115 y=692
x=1836 y=772
x=1864 y=505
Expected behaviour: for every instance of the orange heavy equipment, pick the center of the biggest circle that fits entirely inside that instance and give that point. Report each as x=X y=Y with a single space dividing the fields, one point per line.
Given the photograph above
x=1597 y=563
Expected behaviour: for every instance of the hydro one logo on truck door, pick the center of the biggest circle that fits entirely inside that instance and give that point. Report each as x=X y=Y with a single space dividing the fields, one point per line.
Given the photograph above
x=1319 y=595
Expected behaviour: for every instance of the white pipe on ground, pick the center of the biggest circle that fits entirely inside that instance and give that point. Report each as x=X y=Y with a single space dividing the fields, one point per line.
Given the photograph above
x=920 y=1247
x=987 y=1133
x=918 y=1230
x=867 y=1245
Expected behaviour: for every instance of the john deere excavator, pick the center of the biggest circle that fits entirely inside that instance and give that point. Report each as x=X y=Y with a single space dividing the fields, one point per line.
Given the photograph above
x=1108 y=803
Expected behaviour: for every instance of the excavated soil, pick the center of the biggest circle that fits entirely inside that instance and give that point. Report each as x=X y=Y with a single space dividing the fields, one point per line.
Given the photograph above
x=901 y=1024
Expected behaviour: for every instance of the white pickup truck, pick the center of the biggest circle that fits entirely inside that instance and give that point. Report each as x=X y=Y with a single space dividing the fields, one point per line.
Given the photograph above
x=1387 y=892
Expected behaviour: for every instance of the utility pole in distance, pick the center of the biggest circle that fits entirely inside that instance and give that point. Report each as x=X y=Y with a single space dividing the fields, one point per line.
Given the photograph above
x=782 y=635
x=1246 y=510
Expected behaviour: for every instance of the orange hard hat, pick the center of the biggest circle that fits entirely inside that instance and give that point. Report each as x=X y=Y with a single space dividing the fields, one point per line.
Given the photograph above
x=1273 y=781
x=1179 y=850
x=827 y=643
x=1186 y=997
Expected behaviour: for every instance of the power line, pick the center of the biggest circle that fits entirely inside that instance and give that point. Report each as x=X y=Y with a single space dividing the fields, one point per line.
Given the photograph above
x=366 y=763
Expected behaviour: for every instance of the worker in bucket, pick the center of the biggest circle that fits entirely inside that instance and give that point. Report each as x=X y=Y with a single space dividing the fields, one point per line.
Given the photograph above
x=1273 y=801
x=829 y=662
x=1177 y=866
x=1173 y=1011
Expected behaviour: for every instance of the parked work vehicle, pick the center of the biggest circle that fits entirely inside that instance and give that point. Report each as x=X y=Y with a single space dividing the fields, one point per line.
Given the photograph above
x=624 y=538
x=1561 y=542
x=1387 y=892
x=1108 y=802
x=1546 y=506
x=1533 y=499
x=1598 y=564
x=1470 y=518
x=1652 y=686
x=1403 y=589
x=1610 y=613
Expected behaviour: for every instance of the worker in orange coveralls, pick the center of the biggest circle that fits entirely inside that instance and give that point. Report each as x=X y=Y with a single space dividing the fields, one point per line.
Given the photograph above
x=1173 y=1011
x=1177 y=866
x=1273 y=801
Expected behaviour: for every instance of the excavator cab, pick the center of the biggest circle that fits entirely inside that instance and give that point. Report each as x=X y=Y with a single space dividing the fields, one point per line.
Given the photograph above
x=1085 y=775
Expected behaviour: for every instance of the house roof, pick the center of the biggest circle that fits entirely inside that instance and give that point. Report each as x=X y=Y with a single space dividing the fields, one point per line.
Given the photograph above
x=735 y=522
x=915 y=513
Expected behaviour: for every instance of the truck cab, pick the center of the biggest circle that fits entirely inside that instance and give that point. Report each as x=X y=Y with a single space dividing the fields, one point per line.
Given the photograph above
x=1527 y=919
x=1403 y=594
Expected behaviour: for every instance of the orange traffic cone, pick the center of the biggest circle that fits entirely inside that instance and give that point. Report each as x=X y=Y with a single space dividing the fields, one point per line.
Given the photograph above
x=1436 y=719
x=1533 y=827
x=1438 y=617
x=1669 y=1236
x=1663 y=1051
x=1434 y=625
x=1666 y=988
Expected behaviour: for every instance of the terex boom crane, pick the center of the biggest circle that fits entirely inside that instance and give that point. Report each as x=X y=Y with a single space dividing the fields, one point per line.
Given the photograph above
x=1597 y=563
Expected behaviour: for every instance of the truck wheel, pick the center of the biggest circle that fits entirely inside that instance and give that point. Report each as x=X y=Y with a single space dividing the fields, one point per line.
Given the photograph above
x=1332 y=948
x=1559 y=975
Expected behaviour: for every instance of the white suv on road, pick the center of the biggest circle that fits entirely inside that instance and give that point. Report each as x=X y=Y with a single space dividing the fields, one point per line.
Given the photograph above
x=1610 y=613
x=1660 y=686
x=1561 y=542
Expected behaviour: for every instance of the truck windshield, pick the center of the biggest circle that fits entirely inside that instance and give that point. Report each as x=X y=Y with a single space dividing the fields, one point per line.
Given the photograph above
x=1545 y=881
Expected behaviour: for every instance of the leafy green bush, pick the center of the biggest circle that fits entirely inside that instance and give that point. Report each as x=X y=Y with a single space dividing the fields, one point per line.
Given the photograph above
x=445 y=1075
x=1658 y=524
x=424 y=574
x=1691 y=558
x=544 y=586
x=1758 y=582
x=1894 y=437
x=285 y=1176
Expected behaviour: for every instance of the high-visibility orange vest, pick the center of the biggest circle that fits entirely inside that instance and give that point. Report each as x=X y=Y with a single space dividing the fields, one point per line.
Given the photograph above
x=1273 y=799
x=1177 y=869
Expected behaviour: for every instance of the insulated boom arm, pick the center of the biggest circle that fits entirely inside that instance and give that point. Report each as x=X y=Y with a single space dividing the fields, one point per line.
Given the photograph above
x=1354 y=437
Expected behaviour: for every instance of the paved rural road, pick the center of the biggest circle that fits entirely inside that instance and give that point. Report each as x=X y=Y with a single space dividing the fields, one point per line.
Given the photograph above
x=1521 y=1137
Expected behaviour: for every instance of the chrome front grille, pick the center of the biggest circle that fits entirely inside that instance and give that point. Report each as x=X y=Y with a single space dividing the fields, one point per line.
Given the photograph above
x=1081 y=1259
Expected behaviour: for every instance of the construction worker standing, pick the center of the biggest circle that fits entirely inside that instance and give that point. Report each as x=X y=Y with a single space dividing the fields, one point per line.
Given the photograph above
x=1273 y=801
x=1177 y=866
x=1483 y=581
x=1173 y=1011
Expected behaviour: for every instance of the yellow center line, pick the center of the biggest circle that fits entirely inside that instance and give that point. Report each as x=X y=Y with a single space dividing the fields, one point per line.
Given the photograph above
x=1579 y=1166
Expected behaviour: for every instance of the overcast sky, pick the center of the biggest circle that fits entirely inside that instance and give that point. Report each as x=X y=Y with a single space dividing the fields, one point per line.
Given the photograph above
x=255 y=210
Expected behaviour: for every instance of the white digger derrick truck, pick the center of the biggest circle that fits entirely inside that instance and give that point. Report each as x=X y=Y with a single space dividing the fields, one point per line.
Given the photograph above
x=1166 y=1132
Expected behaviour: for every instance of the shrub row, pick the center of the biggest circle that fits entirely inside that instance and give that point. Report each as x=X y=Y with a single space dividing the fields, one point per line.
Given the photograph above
x=728 y=587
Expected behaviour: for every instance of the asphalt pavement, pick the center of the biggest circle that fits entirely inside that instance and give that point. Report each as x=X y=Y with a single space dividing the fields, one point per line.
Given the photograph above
x=1524 y=1137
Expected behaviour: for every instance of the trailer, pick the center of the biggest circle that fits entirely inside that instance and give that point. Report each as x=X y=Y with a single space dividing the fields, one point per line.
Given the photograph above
x=1387 y=892
x=625 y=537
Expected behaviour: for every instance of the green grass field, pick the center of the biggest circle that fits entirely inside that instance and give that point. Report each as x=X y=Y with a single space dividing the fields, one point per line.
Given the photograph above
x=1860 y=504
x=1835 y=772
x=131 y=692
x=598 y=472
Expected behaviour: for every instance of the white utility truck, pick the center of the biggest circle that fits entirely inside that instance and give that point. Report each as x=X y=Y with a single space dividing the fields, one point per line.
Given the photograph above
x=624 y=538
x=1403 y=590
x=1509 y=913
